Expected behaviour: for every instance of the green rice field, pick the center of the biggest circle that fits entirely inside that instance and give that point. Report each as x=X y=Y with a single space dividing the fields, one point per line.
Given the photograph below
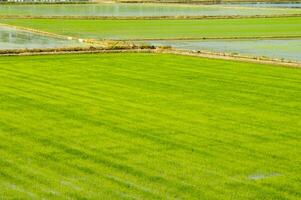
x=165 y=29
x=82 y=125
x=116 y=9
x=148 y=126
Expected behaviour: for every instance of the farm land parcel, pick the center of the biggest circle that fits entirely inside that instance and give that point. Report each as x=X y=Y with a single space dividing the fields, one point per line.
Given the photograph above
x=150 y=125
x=107 y=9
x=166 y=29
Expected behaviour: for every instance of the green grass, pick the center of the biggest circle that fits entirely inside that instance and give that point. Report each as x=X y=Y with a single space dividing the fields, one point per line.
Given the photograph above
x=162 y=29
x=148 y=126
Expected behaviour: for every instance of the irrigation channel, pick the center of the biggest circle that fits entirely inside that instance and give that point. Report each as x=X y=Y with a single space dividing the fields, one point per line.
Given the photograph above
x=141 y=10
x=281 y=49
x=11 y=38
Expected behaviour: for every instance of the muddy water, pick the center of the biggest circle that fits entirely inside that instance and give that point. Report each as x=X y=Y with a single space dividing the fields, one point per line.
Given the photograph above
x=13 y=39
x=112 y=9
x=286 y=49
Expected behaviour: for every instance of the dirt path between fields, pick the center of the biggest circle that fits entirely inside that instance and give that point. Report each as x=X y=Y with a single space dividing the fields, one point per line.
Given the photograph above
x=242 y=58
x=151 y=49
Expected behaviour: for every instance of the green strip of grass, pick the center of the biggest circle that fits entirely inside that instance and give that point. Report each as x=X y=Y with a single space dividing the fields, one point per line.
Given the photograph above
x=165 y=29
x=147 y=126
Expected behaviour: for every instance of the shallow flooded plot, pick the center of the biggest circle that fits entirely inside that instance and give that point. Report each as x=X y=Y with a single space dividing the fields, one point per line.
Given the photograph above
x=269 y=5
x=14 y=39
x=286 y=49
x=137 y=10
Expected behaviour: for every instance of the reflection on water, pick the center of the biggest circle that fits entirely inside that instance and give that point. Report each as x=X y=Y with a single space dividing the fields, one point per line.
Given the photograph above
x=14 y=39
x=135 y=10
x=287 y=49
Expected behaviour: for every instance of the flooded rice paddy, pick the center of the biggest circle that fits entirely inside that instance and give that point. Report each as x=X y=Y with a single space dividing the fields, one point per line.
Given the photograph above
x=282 y=49
x=14 y=39
x=123 y=10
x=269 y=5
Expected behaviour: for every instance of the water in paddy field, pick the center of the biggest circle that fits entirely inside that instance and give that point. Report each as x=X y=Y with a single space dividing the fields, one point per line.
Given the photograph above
x=269 y=5
x=115 y=9
x=281 y=49
x=13 y=39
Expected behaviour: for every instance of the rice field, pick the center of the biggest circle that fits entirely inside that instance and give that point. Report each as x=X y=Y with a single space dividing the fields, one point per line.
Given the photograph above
x=11 y=38
x=283 y=49
x=148 y=126
x=165 y=29
x=109 y=9
x=291 y=4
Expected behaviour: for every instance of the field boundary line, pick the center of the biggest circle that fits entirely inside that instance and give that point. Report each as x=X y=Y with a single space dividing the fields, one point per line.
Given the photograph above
x=231 y=57
x=163 y=17
x=58 y=51
x=152 y=49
